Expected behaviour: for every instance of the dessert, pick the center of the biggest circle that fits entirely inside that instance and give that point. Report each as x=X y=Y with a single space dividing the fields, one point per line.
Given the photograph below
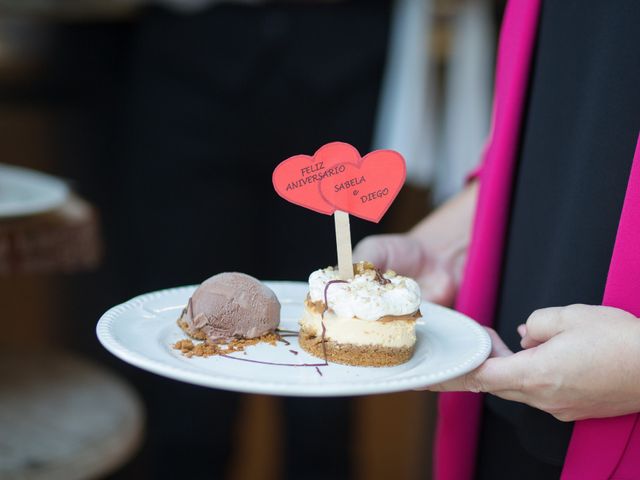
x=230 y=306
x=366 y=321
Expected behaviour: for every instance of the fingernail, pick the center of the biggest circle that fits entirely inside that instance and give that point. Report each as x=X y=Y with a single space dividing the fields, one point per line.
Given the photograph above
x=522 y=329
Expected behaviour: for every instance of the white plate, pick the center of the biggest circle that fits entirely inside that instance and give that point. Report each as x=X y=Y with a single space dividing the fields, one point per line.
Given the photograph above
x=142 y=330
x=27 y=192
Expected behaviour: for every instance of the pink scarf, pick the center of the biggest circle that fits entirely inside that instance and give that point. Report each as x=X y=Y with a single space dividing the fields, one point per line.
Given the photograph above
x=600 y=448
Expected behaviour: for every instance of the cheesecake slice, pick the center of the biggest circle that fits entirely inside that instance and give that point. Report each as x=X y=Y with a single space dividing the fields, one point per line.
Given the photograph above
x=366 y=321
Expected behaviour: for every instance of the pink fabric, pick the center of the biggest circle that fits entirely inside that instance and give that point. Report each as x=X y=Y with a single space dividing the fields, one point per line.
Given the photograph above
x=598 y=447
x=459 y=413
x=604 y=440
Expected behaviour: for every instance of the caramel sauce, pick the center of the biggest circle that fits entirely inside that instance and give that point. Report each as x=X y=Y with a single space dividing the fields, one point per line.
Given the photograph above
x=319 y=307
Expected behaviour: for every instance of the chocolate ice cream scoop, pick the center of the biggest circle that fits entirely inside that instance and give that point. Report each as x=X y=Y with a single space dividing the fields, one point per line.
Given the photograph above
x=230 y=305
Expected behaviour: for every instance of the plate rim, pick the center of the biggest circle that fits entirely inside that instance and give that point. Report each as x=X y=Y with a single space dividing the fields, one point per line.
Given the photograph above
x=58 y=191
x=257 y=386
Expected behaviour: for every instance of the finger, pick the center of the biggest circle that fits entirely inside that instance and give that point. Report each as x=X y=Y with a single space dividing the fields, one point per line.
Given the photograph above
x=498 y=347
x=511 y=395
x=495 y=375
x=522 y=330
x=456 y=263
x=438 y=286
x=542 y=325
x=530 y=343
x=397 y=252
x=372 y=249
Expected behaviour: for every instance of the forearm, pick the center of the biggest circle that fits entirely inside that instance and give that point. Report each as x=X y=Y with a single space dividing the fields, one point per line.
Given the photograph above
x=433 y=252
x=449 y=226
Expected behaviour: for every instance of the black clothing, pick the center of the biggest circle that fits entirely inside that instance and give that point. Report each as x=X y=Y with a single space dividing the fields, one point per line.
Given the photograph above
x=577 y=145
x=210 y=104
x=502 y=457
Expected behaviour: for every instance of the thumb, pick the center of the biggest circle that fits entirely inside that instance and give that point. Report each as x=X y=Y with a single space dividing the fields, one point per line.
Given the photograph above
x=505 y=373
x=542 y=325
x=396 y=252
x=495 y=375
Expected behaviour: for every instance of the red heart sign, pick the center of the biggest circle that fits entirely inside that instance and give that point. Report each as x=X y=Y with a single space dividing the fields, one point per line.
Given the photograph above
x=337 y=178
x=297 y=179
x=366 y=189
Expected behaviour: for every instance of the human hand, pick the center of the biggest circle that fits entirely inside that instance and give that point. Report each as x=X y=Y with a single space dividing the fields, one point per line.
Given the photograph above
x=437 y=272
x=433 y=253
x=578 y=362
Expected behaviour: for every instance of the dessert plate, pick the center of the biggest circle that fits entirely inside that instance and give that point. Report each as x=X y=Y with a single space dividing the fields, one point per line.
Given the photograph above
x=143 y=330
x=27 y=192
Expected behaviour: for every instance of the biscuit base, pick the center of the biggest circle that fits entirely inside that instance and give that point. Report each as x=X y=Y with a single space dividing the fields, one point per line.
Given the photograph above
x=356 y=355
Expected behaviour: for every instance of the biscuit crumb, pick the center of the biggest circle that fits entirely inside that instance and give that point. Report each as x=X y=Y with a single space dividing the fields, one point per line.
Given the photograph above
x=209 y=349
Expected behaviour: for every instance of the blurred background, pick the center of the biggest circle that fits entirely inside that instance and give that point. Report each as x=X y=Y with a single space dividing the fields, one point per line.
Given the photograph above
x=166 y=118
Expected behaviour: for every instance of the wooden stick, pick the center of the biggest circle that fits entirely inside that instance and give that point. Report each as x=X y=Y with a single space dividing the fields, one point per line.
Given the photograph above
x=343 y=242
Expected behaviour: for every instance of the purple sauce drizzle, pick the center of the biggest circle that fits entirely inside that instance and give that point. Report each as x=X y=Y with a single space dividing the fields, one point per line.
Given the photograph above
x=324 y=329
x=275 y=363
x=291 y=333
x=326 y=287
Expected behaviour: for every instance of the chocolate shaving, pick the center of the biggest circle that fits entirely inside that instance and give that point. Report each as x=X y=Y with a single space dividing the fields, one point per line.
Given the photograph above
x=319 y=372
x=380 y=277
x=294 y=352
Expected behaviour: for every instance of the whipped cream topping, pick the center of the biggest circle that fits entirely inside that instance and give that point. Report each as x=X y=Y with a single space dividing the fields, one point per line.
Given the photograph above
x=364 y=297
